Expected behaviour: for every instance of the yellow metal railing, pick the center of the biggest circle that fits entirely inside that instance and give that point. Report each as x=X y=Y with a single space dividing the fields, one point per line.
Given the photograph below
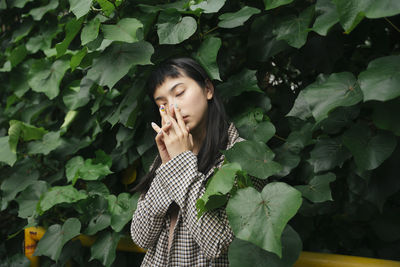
x=306 y=259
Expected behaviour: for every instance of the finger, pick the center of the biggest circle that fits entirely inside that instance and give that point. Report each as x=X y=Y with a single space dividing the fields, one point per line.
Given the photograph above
x=155 y=127
x=175 y=127
x=179 y=119
x=191 y=139
x=163 y=114
x=164 y=129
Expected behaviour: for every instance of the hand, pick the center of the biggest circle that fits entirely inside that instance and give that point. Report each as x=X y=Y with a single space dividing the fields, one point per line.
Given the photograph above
x=178 y=139
x=162 y=149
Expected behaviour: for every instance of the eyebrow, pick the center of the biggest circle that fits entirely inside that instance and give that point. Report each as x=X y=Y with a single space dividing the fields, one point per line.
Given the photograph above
x=171 y=89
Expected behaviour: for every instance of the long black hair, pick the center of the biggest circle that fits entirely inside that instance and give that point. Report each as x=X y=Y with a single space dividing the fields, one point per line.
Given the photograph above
x=217 y=122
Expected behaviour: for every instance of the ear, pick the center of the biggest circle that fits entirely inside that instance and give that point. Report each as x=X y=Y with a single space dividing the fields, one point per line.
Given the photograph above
x=209 y=89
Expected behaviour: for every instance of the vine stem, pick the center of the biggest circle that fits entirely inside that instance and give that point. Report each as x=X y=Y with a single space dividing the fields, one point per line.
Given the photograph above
x=391 y=23
x=213 y=29
x=280 y=138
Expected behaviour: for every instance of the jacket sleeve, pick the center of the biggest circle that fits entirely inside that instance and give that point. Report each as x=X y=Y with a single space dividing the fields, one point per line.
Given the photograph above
x=184 y=184
x=148 y=219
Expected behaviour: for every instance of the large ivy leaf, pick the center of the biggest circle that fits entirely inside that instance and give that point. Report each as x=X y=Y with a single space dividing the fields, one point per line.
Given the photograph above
x=22 y=31
x=173 y=29
x=79 y=7
x=42 y=40
x=339 y=89
x=24 y=174
x=327 y=16
x=6 y=155
x=45 y=76
x=55 y=238
x=369 y=151
x=206 y=55
x=90 y=31
x=261 y=217
x=242 y=253
x=218 y=185
x=251 y=127
x=29 y=198
x=17 y=55
x=124 y=31
x=245 y=81
x=381 y=80
x=106 y=6
x=294 y=30
x=318 y=189
x=96 y=210
x=38 y=13
x=271 y=4
x=25 y=131
x=301 y=108
x=71 y=30
x=352 y=12
x=116 y=61
x=236 y=19
x=209 y=6
x=287 y=159
x=105 y=247
x=121 y=209
x=78 y=168
x=50 y=142
x=59 y=194
x=78 y=94
x=383 y=115
x=327 y=154
x=254 y=157
x=18 y=3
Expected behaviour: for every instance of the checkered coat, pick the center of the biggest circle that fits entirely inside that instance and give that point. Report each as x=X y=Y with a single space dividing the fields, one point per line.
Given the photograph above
x=196 y=242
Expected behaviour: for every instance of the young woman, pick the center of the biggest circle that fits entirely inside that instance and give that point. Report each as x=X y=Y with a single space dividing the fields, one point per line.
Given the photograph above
x=192 y=132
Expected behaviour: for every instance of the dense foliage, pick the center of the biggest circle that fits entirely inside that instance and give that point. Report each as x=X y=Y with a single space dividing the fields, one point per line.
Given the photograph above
x=313 y=86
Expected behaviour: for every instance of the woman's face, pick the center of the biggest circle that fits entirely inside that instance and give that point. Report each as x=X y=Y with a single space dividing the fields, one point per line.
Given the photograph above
x=188 y=95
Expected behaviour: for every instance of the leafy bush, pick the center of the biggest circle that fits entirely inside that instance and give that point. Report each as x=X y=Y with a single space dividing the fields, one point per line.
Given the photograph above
x=312 y=85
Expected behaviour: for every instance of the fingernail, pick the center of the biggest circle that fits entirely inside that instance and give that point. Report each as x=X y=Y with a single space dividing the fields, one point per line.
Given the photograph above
x=153 y=124
x=162 y=108
x=171 y=106
x=176 y=105
x=168 y=123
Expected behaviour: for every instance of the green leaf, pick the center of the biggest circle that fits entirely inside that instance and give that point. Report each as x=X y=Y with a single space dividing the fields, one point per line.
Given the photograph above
x=250 y=129
x=271 y=4
x=38 y=13
x=42 y=40
x=17 y=55
x=50 y=142
x=90 y=31
x=383 y=8
x=219 y=184
x=287 y=159
x=45 y=76
x=207 y=54
x=173 y=29
x=59 y=194
x=294 y=30
x=301 y=108
x=97 y=211
x=79 y=7
x=339 y=89
x=23 y=175
x=209 y=6
x=318 y=189
x=25 y=131
x=369 y=151
x=261 y=217
x=6 y=155
x=79 y=97
x=117 y=60
x=29 y=198
x=245 y=81
x=55 y=238
x=381 y=80
x=327 y=16
x=383 y=116
x=254 y=157
x=107 y=7
x=121 y=209
x=124 y=31
x=76 y=168
x=22 y=31
x=327 y=154
x=72 y=28
x=77 y=58
x=105 y=247
x=242 y=253
x=236 y=19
